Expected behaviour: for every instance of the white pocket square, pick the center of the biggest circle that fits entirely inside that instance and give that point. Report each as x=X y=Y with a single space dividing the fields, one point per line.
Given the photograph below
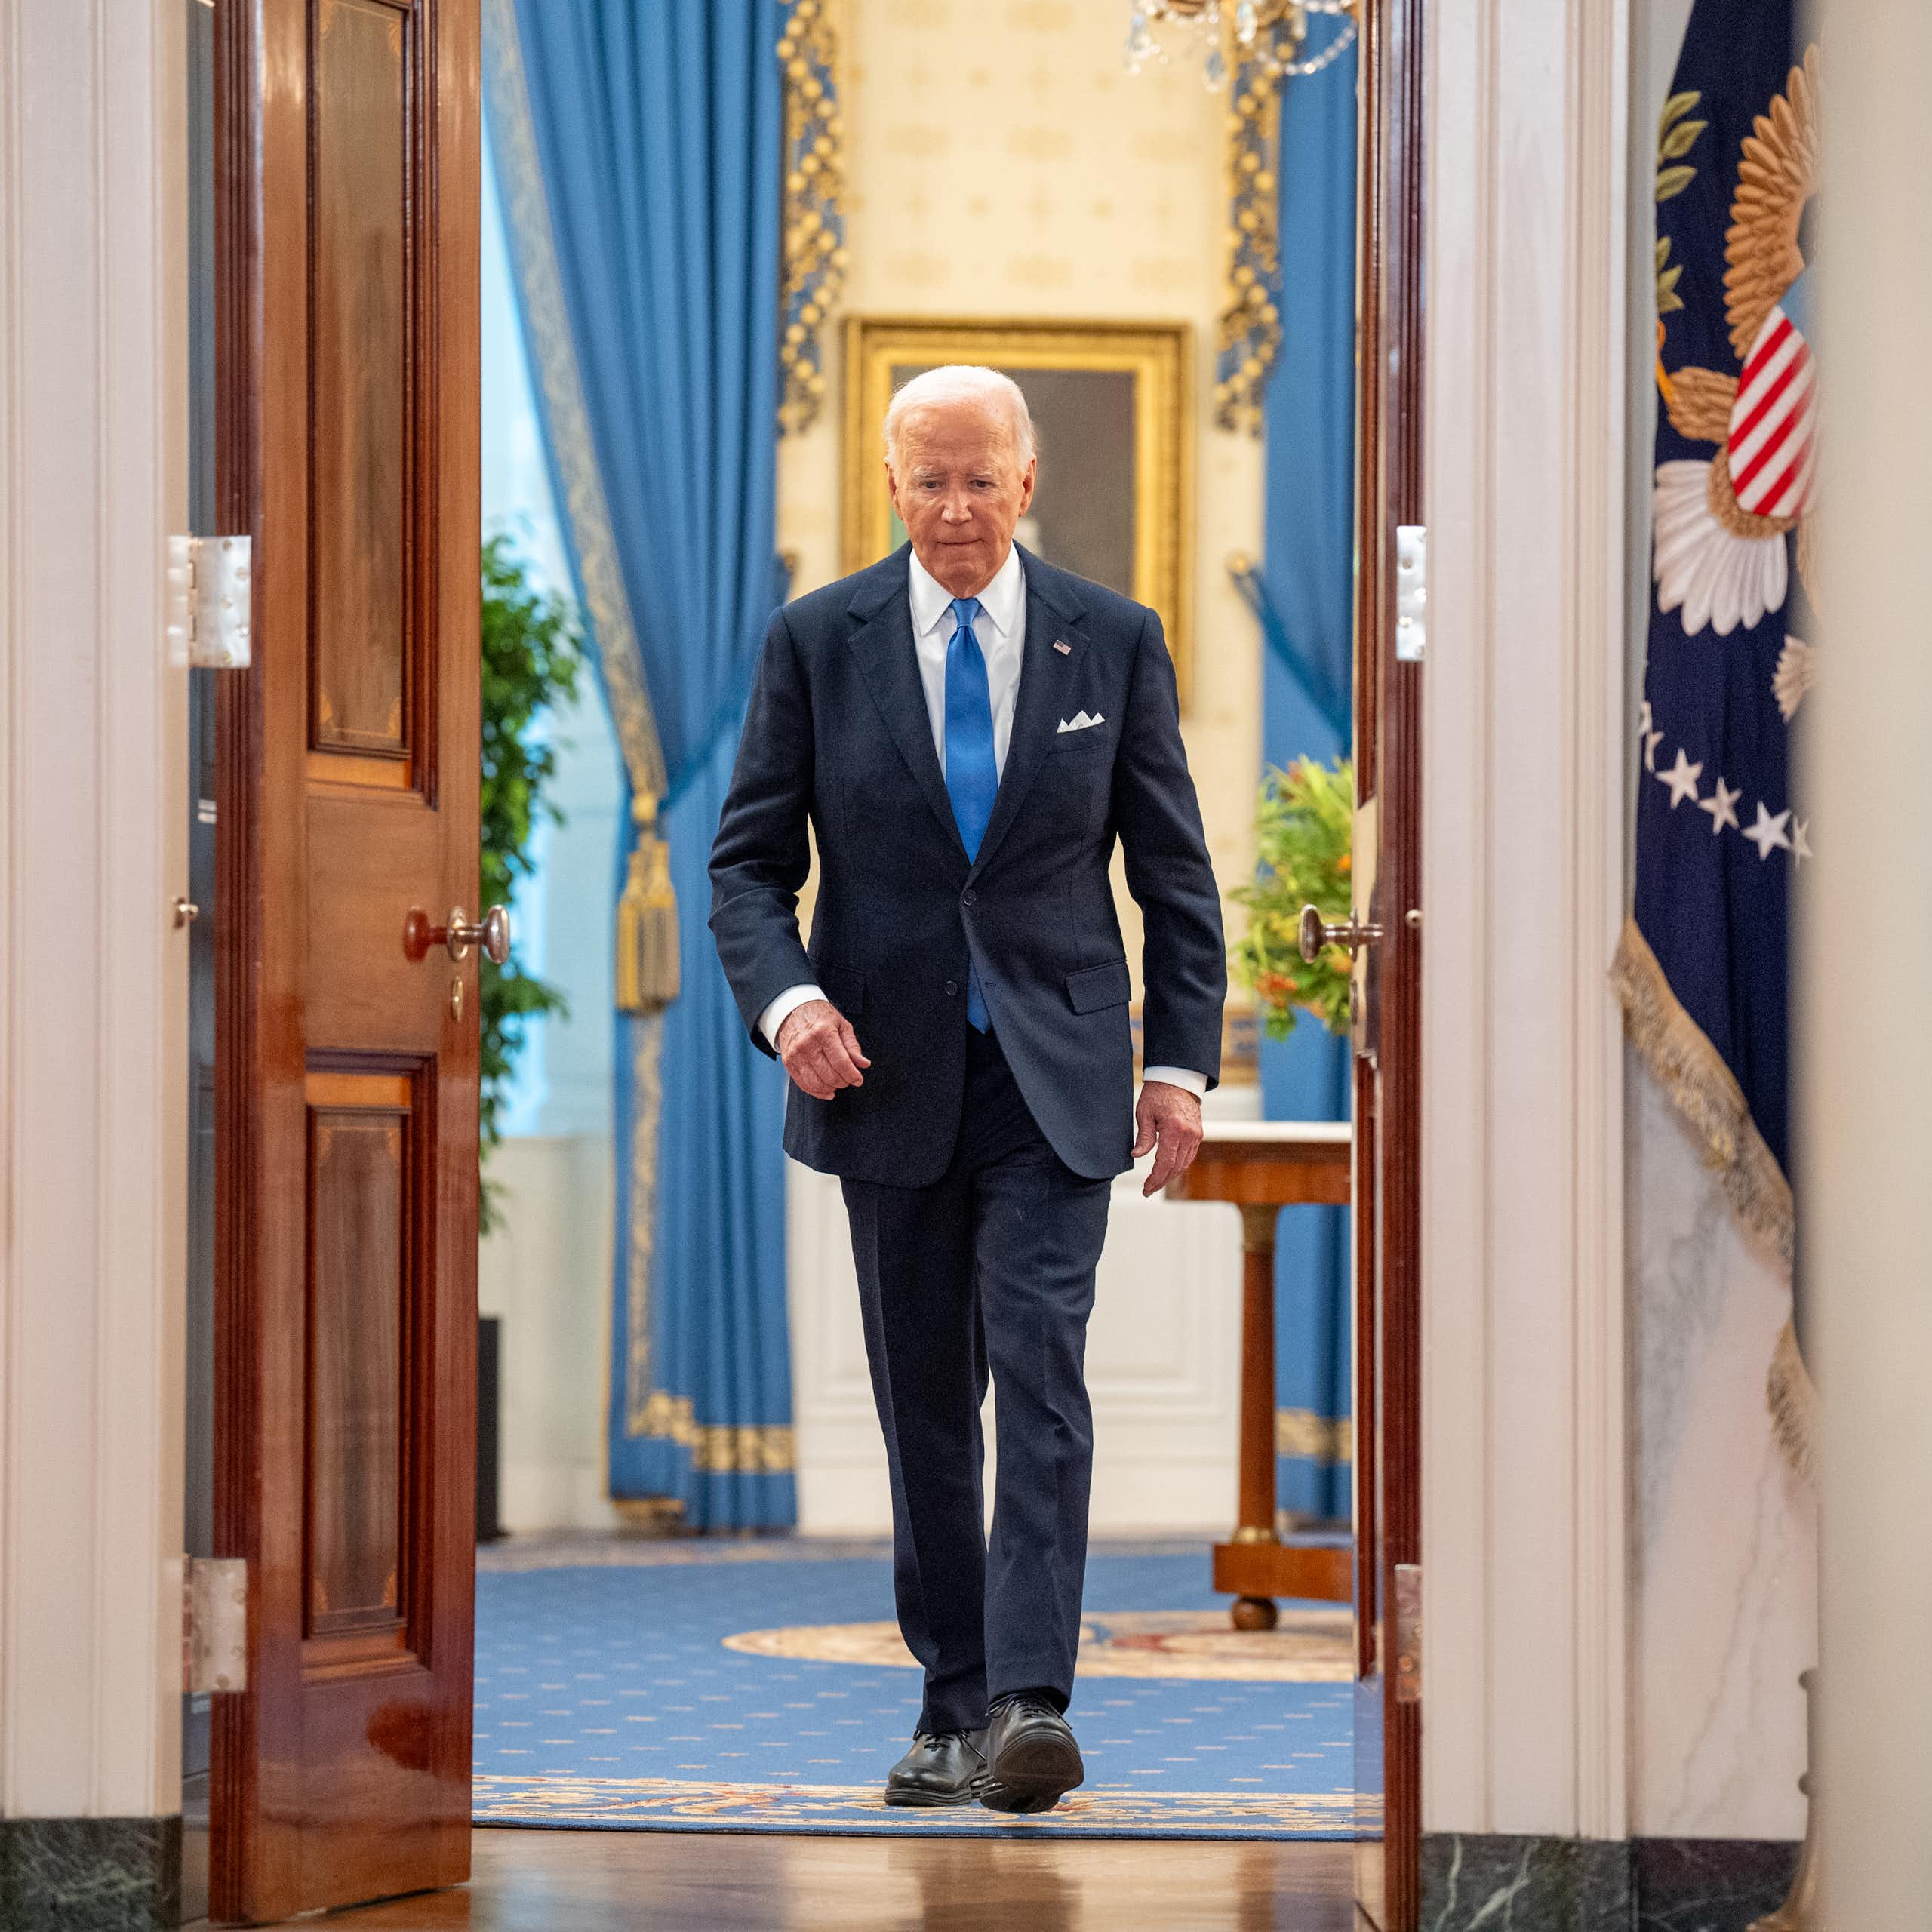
x=1080 y=722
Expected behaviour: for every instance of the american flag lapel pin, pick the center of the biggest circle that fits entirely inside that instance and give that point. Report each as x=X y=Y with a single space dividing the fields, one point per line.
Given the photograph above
x=1065 y=650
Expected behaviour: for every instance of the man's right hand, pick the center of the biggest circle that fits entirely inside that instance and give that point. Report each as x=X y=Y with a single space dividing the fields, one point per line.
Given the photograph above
x=819 y=1050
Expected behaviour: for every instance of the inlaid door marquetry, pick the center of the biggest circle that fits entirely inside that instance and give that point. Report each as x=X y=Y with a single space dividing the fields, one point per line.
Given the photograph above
x=347 y=209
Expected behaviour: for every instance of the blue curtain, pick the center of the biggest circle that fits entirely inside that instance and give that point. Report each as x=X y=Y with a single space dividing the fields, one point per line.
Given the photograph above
x=1306 y=599
x=637 y=148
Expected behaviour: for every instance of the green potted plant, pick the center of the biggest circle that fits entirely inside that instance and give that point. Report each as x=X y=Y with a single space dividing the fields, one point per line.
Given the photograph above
x=530 y=659
x=1304 y=823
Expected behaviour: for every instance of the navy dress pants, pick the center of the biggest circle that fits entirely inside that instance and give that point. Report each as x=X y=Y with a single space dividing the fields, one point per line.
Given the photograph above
x=991 y=1268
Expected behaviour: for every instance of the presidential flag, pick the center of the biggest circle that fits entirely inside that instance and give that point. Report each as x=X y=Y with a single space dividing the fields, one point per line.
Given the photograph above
x=1703 y=969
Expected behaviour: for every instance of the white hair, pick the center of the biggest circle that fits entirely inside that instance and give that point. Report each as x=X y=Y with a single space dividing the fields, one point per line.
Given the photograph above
x=962 y=381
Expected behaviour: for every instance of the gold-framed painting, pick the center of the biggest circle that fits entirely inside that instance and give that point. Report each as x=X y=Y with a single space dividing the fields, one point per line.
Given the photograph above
x=1114 y=500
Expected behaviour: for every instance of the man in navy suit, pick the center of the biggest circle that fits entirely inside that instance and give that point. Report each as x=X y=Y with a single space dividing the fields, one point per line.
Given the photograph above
x=967 y=731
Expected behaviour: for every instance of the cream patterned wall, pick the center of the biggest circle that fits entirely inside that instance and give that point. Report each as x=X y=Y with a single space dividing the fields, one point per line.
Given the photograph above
x=1002 y=164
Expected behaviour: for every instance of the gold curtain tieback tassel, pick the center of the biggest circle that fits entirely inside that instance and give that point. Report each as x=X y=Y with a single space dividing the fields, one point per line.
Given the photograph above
x=647 y=964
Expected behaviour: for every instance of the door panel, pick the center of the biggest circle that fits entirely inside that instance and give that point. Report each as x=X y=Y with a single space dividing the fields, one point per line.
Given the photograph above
x=347 y=1102
x=362 y=1303
x=362 y=90
x=1389 y=751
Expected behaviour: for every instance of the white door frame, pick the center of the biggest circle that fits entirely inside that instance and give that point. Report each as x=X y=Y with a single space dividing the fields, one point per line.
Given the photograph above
x=1524 y=1414
x=92 y=852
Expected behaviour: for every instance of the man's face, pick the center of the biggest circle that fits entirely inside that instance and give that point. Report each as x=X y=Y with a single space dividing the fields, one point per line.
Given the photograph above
x=960 y=487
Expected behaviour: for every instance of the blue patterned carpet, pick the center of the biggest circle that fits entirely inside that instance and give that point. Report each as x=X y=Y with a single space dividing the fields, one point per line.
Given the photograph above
x=747 y=1687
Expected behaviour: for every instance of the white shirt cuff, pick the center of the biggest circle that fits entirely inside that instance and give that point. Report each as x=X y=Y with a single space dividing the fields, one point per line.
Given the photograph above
x=1196 y=1083
x=781 y=1009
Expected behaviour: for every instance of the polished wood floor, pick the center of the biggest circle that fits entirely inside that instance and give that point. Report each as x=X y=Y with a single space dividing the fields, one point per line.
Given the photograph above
x=635 y=1881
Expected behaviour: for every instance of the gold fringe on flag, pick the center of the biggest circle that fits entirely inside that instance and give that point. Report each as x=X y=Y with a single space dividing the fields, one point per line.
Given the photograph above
x=1705 y=1091
x=647 y=965
x=1794 y=1401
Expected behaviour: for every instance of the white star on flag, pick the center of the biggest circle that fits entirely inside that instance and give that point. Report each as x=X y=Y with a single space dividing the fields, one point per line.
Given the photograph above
x=1768 y=832
x=1651 y=736
x=1722 y=806
x=1682 y=778
x=1801 y=846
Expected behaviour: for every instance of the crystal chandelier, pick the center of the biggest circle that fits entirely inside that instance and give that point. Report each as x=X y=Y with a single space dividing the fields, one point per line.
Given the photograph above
x=1272 y=32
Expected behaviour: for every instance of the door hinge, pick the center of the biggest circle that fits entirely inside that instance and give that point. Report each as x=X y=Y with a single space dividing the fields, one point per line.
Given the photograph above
x=208 y=602
x=214 y=1624
x=1411 y=592
x=1408 y=1633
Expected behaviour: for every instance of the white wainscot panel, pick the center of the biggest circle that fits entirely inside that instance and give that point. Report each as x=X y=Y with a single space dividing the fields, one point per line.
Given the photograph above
x=545 y=1271
x=1163 y=1368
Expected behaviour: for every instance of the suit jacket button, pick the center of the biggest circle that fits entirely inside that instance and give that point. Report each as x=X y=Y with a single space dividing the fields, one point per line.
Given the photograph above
x=969 y=896
x=952 y=989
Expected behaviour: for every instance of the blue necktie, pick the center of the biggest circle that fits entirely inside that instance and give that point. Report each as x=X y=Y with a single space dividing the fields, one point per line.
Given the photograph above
x=972 y=773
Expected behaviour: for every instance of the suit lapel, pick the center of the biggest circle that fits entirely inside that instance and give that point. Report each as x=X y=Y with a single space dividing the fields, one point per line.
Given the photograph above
x=1044 y=678
x=891 y=662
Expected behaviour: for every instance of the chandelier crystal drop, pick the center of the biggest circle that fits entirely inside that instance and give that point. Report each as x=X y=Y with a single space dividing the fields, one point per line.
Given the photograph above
x=1272 y=34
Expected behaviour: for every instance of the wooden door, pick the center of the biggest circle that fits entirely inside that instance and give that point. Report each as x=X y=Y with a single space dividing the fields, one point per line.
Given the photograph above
x=1388 y=754
x=346 y=1069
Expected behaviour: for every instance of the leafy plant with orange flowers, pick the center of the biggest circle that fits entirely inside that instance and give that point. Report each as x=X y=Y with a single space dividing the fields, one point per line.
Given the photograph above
x=1303 y=826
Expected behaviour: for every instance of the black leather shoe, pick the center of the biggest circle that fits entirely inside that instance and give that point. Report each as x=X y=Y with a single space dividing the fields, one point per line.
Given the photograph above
x=939 y=1770
x=1032 y=1759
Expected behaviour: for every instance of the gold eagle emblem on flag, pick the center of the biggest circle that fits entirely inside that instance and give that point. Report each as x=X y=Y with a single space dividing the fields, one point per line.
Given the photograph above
x=1719 y=556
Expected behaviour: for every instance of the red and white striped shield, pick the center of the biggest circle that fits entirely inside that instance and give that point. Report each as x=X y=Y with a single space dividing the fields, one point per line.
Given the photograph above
x=1773 y=447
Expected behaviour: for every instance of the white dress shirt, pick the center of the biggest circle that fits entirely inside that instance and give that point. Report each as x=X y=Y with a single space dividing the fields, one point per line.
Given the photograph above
x=1001 y=627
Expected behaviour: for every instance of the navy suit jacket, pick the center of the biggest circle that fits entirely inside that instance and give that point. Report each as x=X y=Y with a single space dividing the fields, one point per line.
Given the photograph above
x=837 y=733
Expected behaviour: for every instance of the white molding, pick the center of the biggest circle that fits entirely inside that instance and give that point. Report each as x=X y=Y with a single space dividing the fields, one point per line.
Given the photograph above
x=13 y=628
x=93 y=1067
x=1601 y=81
x=1524 y=1418
x=545 y=1272
x=1865 y=1033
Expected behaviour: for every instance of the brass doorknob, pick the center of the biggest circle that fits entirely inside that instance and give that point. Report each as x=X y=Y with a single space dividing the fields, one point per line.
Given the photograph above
x=492 y=932
x=1316 y=933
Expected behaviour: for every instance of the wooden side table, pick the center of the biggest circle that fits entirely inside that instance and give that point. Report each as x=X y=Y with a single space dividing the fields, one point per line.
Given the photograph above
x=1262 y=1166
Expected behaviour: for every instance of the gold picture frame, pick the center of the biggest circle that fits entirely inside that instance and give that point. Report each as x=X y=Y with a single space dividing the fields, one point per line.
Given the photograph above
x=1138 y=537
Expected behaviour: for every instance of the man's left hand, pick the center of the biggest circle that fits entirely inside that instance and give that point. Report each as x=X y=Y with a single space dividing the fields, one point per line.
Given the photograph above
x=1172 y=1116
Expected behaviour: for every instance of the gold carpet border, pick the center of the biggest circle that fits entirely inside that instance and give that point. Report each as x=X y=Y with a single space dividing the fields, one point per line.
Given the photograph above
x=750 y=1449
x=1307 y=1646
x=508 y=1799
x=1706 y=1092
